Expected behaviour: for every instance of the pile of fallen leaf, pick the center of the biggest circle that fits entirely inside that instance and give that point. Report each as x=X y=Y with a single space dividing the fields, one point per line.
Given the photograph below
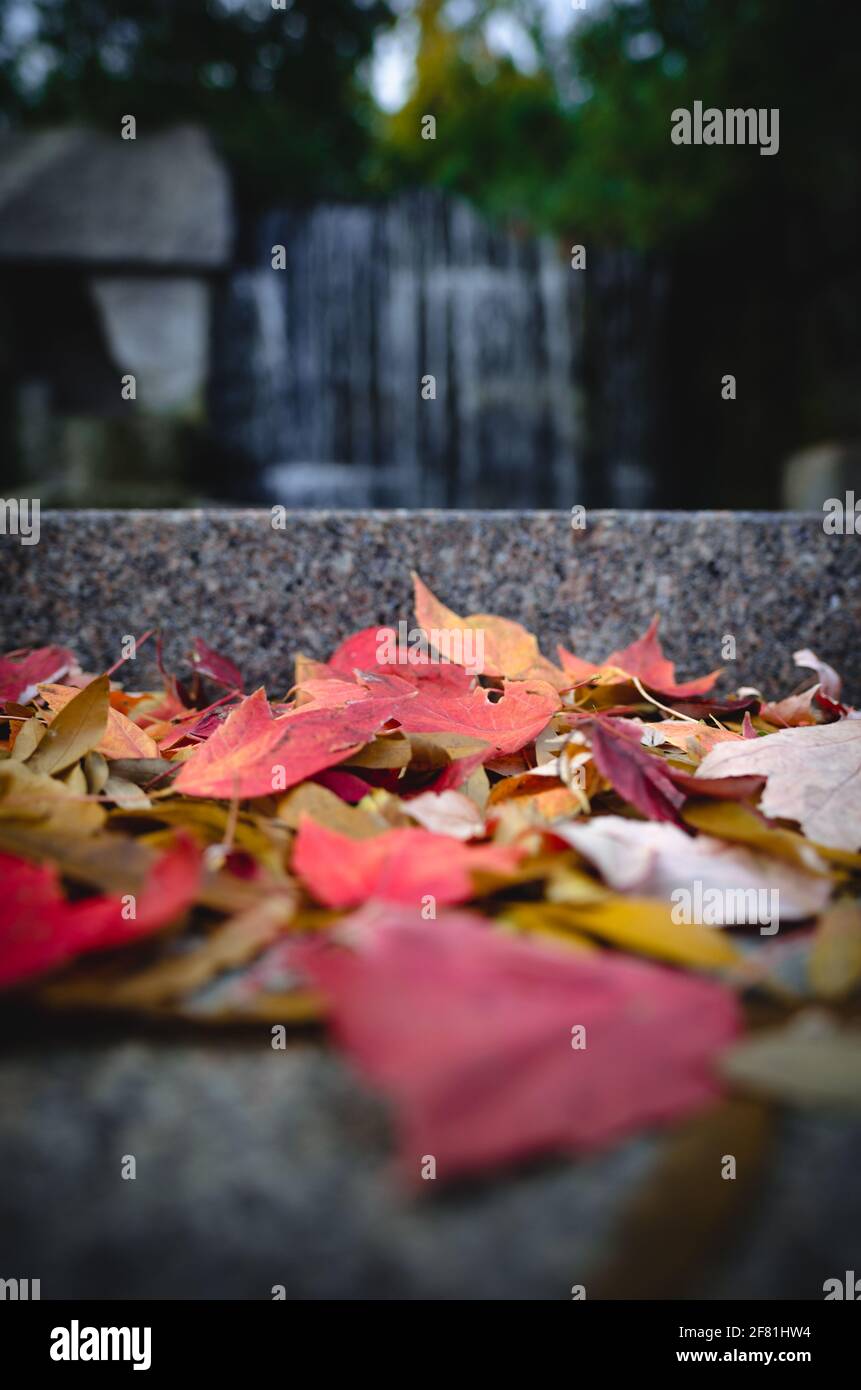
x=470 y=879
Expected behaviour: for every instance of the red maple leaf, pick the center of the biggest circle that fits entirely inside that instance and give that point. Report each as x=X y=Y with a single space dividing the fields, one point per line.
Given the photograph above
x=254 y=754
x=643 y=659
x=219 y=668
x=507 y=722
x=401 y=865
x=370 y=650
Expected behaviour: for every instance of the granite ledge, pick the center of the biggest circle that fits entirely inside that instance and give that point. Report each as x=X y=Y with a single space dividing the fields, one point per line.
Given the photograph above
x=775 y=581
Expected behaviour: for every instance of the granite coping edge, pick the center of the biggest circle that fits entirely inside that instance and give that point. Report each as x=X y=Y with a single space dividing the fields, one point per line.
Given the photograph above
x=305 y=582
x=312 y=514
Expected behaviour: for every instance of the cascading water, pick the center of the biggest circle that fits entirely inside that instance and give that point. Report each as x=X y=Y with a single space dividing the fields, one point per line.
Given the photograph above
x=320 y=369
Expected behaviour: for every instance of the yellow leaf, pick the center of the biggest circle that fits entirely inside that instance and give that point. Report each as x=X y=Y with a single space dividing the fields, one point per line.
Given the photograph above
x=842 y=858
x=27 y=739
x=327 y=809
x=75 y=779
x=293 y=1008
x=77 y=729
x=96 y=771
x=28 y=797
x=644 y=926
x=540 y=919
x=122 y=738
x=432 y=751
x=834 y=965
x=210 y=821
x=127 y=795
x=571 y=885
x=509 y=650
x=387 y=751
x=730 y=820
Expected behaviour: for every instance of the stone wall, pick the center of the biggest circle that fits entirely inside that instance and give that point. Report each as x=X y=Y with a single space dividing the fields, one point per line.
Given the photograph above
x=776 y=582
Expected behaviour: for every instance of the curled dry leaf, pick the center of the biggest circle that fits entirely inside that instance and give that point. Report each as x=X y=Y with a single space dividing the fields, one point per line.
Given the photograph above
x=659 y=860
x=447 y=813
x=691 y=736
x=829 y=681
x=76 y=730
x=813 y=776
x=28 y=797
x=335 y=812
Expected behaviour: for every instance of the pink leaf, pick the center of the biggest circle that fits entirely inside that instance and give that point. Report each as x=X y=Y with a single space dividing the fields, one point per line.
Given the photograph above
x=20 y=676
x=471 y=1034
x=362 y=650
x=217 y=667
x=335 y=693
x=637 y=775
x=369 y=650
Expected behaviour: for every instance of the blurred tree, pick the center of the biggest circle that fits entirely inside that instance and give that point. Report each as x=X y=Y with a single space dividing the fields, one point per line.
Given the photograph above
x=584 y=140
x=500 y=131
x=277 y=88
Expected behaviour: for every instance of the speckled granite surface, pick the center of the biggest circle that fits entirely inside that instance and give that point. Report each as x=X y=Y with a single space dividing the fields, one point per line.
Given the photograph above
x=776 y=582
x=257 y=1168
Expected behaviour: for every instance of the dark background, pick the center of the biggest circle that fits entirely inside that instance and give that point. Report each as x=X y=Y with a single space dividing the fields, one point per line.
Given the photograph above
x=406 y=256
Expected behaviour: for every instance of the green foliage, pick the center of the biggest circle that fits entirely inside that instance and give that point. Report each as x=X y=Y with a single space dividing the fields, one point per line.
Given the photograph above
x=584 y=143
x=500 y=132
x=277 y=89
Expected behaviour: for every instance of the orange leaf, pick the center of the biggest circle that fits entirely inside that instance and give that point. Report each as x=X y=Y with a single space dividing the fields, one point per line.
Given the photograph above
x=509 y=650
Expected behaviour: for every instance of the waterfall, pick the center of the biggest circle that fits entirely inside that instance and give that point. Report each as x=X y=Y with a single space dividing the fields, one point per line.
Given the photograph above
x=627 y=296
x=318 y=368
